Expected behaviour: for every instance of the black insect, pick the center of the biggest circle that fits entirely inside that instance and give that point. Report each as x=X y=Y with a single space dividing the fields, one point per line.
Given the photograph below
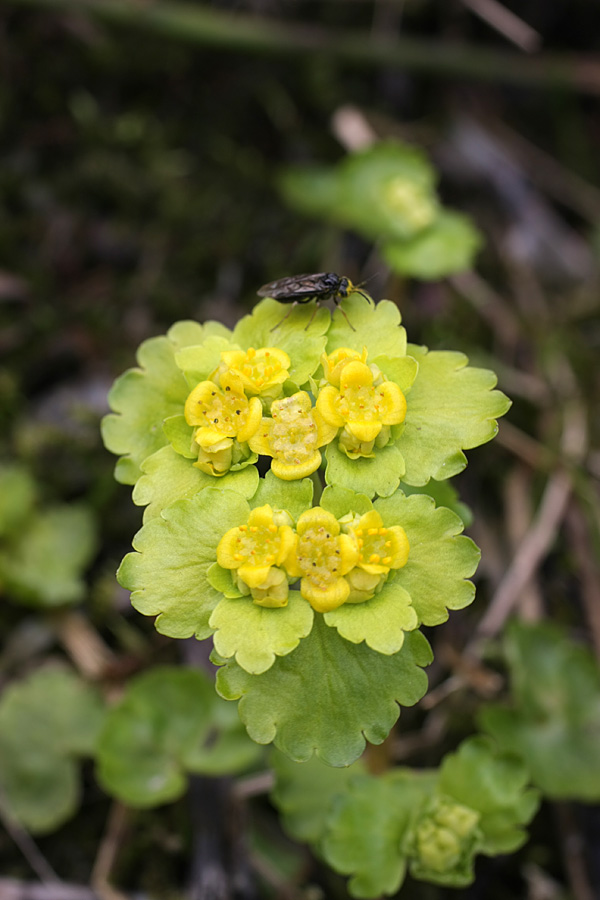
x=303 y=288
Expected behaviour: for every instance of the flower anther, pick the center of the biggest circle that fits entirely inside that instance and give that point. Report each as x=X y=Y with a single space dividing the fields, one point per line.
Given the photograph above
x=361 y=407
x=262 y=372
x=322 y=556
x=292 y=436
x=255 y=551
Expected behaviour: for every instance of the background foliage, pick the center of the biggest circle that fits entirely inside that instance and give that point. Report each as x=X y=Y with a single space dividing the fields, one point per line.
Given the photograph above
x=151 y=168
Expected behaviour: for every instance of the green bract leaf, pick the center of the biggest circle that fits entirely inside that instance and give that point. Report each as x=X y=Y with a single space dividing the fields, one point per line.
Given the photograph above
x=168 y=477
x=340 y=501
x=42 y=566
x=169 y=722
x=199 y=361
x=553 y=722
x=302 y=335
x=440 y=558
x=328 y=695
x=168 y=574
x=381 y=621
x=494 y=785
x=313 y=190
x=451 y=407
x=17 y=497
x=443 y=494
x=368 y=834
x=255 y=635
x=377 y=327
x=448 y=245
x=304 y=793
x=434 y=821
x=144 y=397
x=46 y=722
x=380 y=474
x=293 y=496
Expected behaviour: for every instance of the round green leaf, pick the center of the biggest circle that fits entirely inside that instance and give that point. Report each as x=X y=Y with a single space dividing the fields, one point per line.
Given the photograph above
x=367 y=834
x=168 y=477
x=304 y=793
x=43 y=565
x=293 y=496
x=380 y=621
x=448 y=245
x=379 y=474
x=256 y=635
x=168 y=574
x=553 y=720
x=17 y=497
x=451 y=407
x=440 y=558
x=141 y=399
x=168 y=723
x=328 y=696
x=46 y=722
x=376 y=327
x=496 y=786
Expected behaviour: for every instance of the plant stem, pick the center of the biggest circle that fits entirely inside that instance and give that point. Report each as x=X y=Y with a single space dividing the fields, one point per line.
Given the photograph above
x=200 y=26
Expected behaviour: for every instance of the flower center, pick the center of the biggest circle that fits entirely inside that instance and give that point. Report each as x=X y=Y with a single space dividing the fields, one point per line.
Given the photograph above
x=225 y=411
x=257 y=545
x=360 y=403
x=318 y=556
x=293 y=434
x=374 y=546
x=260 y=367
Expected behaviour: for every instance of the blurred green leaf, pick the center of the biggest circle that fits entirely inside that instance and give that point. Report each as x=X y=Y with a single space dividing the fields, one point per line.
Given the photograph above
x=46 y=723
x=17 y=496
x=553 y=719
x=169 y=723
x=448 y=245
x=42 y=566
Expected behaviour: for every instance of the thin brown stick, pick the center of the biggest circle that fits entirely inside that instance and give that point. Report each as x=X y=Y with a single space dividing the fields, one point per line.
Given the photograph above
x=506 y=23
x=83 y=644
x=28 y=847
x=13 y=889
x=533 y=549
x=110 y=845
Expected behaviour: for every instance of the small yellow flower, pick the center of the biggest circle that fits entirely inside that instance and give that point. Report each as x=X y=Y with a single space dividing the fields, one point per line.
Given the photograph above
x=255 y=551
x=321 y=556
x=262 y=372
x=380 y=549
x=292 y=437
x=359 y=406
x=335 y=362
x=221 y=415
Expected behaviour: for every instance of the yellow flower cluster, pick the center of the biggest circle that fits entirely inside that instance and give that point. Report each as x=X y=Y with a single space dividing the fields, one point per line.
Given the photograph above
x=335 y=562
x=355 y=403
x=227 y=410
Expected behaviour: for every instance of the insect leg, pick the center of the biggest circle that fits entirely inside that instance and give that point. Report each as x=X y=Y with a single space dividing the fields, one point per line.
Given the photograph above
x=288 y=313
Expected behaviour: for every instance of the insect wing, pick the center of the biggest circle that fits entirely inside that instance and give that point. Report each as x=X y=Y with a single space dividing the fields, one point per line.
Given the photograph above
x=297 y=287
